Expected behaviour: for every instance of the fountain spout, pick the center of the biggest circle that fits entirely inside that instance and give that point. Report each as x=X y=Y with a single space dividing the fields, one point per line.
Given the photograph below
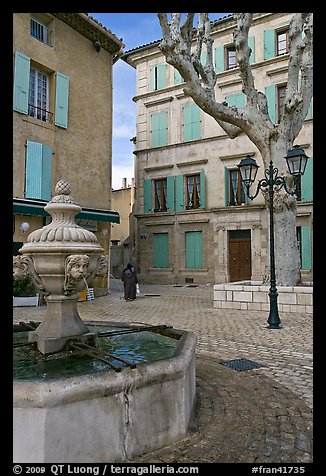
x=60 y=258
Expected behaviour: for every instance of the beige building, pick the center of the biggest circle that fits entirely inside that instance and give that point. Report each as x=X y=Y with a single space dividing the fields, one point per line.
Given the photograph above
x=62 y=118
x=193 y=221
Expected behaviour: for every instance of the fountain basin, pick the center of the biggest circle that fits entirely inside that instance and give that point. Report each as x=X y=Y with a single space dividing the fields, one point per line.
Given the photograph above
x=106 y=416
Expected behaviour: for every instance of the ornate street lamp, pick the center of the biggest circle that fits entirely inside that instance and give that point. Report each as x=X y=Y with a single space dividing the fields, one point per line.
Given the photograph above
x=296 y=160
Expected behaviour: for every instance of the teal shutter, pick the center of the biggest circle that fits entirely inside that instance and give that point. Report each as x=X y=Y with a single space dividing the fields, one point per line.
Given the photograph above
x=147 y=196
x=309 y=113
x=170 y=193
x=306 y=260
x=270 y=93
x=179 y=192
x=38 y=174
x=251 y=44
x=161 y=76
x=160 y=250
x=158 y=129
x=269 y=44
x=219 y=59
x=226 y=186
x=21 y=83
x=237 y=100
x=307 y=182
x=194 y=249
x=178 y=79
x=61 y=100
x=203 y=58
x=202 y=199
x=191 y=122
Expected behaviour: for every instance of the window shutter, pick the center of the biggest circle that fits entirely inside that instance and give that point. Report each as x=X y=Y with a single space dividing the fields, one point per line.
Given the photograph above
x=202 y=199
x=187 y=129
x=191 y=122
x=270 y=92
x=195 y=114
x=237 y=100
x=203 y=58
x=251 y=44
x=163 y=128
x=158 y=129
x=61 y=100
x=170 y=193
x=152 y=78
x=147 y=196
x=226 y=186
x=21 y=83
x=305 y=247
x=161 y=76
x=269 y=44
x=194 y=248
x=307 y=182
x=309 y=113
x=38 y=175
x=161 y=250
x=179 y=192
x=219 y=59
x=178 y=79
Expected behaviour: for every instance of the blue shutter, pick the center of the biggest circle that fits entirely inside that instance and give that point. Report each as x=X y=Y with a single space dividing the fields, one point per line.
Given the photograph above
x=269 y=44
x=270 y=93
x=160 y=250
x=306 y=260
x=202 y=198
x=21 y=83
x=179 y=192
x=38 y=172
x=170 y=193
x=307 y=182
x=219 y=59
x=61 y=100
x=251 y=44
x=147 y=196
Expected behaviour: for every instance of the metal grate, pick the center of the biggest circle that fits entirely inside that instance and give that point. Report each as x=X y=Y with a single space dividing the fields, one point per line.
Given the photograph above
x=241 y=365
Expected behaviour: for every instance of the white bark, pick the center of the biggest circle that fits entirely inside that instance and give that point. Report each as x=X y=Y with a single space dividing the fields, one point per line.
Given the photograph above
x=273 y=141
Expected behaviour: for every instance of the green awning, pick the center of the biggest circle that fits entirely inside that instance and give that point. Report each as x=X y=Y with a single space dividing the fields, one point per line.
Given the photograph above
x=36 y=208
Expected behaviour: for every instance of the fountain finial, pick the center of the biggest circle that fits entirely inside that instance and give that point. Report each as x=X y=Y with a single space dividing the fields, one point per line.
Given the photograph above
x=62 y=188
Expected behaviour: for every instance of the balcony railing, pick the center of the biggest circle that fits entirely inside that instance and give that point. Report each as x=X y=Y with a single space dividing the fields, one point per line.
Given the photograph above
x=39 y=113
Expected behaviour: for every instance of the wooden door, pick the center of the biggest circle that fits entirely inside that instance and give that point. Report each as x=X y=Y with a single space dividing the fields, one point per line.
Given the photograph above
x=239 y=259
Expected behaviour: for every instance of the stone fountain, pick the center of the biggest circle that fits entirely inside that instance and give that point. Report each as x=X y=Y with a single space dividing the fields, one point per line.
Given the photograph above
x=101 y=416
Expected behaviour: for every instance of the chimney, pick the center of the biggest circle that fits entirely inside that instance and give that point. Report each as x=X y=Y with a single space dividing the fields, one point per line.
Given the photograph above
x=124 y=182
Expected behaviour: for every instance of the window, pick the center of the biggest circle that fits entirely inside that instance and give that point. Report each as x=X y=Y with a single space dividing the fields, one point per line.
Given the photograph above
x=38 y=97
x=280 y=101
x=40 y=31
x=282 y=42
x=158 y=77
x=231 y=57
x=237 y=193
x=192 y=191
x=160 y=250
x=159 y=129
x=191 y=122
x=160 y=187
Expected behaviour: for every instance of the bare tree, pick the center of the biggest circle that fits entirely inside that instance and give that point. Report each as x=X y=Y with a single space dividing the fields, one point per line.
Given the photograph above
x=182 y=46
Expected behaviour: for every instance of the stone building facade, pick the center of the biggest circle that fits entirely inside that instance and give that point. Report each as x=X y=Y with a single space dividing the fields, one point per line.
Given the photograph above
x=62 y=118
x=193 y=222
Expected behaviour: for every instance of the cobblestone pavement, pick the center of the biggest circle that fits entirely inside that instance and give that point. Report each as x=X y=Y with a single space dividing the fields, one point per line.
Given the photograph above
x=262 y=415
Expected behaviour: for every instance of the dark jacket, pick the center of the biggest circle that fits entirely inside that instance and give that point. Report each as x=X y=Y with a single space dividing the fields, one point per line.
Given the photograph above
x=129 y=279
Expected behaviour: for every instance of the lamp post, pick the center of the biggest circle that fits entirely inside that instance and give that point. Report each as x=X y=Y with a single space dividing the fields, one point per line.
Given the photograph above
x=296 y=161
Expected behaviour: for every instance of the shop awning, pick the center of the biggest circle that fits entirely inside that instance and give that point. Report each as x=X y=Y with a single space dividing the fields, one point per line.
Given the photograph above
x=25 y=206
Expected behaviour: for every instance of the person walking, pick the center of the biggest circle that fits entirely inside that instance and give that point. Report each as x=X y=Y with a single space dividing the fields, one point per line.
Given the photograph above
x=129 y=279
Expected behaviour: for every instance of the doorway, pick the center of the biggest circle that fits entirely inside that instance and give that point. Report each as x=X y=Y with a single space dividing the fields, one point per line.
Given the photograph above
x=239 y=255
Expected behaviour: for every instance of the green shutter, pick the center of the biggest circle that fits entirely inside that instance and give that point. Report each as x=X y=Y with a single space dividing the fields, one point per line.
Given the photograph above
x=203 y=58
x=306 y=260
x=226 y=186
x=160 y=250
x=179 y=192
x=237 y=100
x=269 y=44
x=21 y=83
x=219 y=59
x=202 y=198
x=61 y=100
x=161 y=76
x=158 y=129
x=147 y=196
x=307 y=182
x=309 y=113
x=270 y=93
x=170 y=193
x=38 y=174
x=194 y=249
x=251 y=44
x=191 y=122
x=178 y=79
